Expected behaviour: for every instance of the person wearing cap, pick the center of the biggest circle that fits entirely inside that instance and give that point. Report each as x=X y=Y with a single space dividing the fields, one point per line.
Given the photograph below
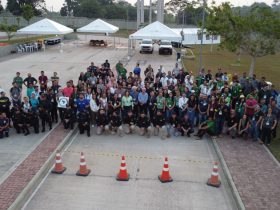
x=18 y=79
x=159 y=125
x=5 y=104
x=116 y=124
x=102 y=122
x=4 y=125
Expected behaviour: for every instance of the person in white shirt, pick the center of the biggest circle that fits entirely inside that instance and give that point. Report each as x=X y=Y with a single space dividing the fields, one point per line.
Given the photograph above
x=173 y=80
x=176 y=70
x=189 y=82
x=182 y=105
x=164 y=80
x=94 y=107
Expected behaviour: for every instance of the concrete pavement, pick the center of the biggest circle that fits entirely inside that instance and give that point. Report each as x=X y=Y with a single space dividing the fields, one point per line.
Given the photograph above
x=190 y=163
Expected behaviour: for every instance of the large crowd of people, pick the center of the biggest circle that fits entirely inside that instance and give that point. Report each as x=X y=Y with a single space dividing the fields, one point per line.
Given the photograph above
x=167 y=103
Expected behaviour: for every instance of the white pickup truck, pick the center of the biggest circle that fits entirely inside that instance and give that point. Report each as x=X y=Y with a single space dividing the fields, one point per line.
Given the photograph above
x=147 y=46
x=165 y=47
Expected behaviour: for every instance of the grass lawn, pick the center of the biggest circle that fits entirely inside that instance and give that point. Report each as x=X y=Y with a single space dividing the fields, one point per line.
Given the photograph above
x=268 y=66
x=275 y=146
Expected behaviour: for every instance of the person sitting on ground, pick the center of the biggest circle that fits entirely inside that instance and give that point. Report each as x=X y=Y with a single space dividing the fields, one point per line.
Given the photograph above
x=243 y=127
x=129 y=122
x=159 y=125
x=116 y=124
x=206 y=127
x=84 y=121
x=4 y=126
x=144 y=125
x=173 y=126
x=186 y=126
x=232 y=123
x=101 y=122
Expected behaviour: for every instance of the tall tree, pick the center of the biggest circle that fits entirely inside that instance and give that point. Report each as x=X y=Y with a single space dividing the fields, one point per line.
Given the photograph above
x=256 y=33
x=27 y=12
x=9 y=29
x=15 y=6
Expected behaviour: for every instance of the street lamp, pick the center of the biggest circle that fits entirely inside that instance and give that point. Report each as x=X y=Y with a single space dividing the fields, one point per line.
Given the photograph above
x=202 y=31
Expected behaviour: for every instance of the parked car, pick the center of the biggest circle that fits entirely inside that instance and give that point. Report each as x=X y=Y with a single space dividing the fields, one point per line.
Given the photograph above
x=147 y=46
x=165 y=47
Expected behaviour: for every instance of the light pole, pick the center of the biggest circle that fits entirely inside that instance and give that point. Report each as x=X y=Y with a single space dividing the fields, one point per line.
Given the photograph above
x=202 y=31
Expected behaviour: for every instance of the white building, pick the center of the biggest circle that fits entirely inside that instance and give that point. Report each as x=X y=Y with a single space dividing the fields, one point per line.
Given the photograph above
x=192 y=36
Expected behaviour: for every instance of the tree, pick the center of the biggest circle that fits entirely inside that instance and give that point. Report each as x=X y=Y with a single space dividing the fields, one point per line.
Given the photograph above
x=90 y=9
x=10 y=30
x=256 y=33
x=1 y=7
x=27 y=12
x=15 y=6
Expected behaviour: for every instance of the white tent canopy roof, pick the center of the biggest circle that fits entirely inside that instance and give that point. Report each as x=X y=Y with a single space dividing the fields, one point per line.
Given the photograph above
x=156 y=30
x=45 y=26
x=98 y=26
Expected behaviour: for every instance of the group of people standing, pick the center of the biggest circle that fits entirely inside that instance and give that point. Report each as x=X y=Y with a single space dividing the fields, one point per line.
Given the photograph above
x=166 y=103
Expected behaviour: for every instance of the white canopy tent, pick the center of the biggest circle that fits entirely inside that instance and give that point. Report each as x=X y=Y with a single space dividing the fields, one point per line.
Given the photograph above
x=99 y=26
x=46 y=27
x=157 y=31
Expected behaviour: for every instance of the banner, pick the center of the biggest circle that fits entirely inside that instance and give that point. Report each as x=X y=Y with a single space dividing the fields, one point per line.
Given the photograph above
x=62 y=102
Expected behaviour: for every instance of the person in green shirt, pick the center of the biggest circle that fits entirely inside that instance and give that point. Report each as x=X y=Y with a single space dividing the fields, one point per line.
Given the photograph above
x=160 y=102
x=170 y=103
x=127 y=103
x=18 y=79
x=122 y=71
x=206 y=127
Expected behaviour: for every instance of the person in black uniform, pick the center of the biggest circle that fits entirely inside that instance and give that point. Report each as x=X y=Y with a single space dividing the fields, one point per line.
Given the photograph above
x=69 y=117
x=4 y=126
x=129 y=122
x=19 y=121
x=53 y=101
x=152 y=102
x=84 y=121
x=32 y=119
x=44 y=111
x=159 y=125
x=144 y=125
x=186 y=126
x=102 y=122
x=5 y=104
x=173 y=125
x=116 y=124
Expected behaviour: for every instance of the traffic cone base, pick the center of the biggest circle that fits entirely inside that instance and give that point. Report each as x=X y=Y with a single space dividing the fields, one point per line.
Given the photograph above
x=165 y=180
x=213 y=184
x=118 y=178
x=83 y=174
x=54 y=171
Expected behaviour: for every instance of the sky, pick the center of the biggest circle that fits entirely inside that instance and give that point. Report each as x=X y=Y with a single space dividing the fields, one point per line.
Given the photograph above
x=57 y=4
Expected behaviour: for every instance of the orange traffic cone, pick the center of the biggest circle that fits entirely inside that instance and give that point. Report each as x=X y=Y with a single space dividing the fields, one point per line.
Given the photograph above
x=165 y=176
x=83 y=171
x=58 y=168
x=123 y=175
x=214 y=179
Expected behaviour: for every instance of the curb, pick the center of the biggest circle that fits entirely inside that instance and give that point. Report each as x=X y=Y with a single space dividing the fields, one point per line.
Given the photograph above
x=31 y=186
x=228 y=177
x=272 y=156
